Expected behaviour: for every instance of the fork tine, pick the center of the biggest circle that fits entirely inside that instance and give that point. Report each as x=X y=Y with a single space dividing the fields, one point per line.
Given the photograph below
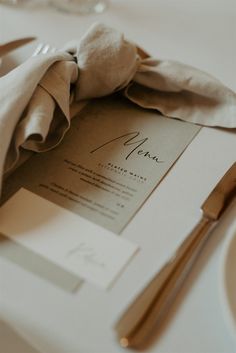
x=38 y=49
x=43 y=48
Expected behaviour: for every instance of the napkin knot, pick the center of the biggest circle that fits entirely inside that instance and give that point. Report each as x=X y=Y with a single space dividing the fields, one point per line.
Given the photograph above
x=106 y=61
x=39 y=97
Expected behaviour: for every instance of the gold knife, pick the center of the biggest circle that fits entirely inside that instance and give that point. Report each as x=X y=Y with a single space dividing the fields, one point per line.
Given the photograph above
x=8 y=47
x=144 y=316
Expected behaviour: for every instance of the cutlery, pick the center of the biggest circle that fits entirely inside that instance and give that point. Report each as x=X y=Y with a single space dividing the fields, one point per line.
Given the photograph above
x=139 y=321
x=8 y=47
x=43 y=48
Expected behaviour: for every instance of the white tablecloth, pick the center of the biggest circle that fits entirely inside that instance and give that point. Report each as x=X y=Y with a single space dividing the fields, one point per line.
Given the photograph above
x=197 y=32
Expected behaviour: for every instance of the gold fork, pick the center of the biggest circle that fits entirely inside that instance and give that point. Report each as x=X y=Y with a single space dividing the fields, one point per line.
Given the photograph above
x=43 y=48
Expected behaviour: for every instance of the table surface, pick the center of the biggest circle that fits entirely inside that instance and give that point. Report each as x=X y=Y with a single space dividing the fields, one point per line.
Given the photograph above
x=36 y=316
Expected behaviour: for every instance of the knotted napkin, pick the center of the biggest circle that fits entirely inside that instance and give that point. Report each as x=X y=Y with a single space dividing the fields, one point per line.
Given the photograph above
x=39 y=97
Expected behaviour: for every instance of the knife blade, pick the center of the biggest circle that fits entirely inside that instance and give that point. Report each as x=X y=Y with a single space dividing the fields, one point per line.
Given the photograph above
x=145 y=315
x=14 y=44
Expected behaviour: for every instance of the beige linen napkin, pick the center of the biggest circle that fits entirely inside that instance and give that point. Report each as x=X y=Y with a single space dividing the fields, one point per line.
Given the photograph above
x=39 y=98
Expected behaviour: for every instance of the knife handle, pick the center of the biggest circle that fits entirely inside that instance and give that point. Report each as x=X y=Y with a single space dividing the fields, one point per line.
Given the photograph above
x=139 y=321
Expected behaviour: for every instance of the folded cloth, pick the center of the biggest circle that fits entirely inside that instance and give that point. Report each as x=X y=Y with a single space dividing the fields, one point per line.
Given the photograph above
x=39 y=97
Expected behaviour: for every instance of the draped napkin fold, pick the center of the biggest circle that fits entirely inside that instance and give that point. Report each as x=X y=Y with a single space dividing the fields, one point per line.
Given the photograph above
x=40 y=97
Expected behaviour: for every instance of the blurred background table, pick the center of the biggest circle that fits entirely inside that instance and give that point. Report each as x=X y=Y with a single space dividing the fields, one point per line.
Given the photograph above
x=36 y=316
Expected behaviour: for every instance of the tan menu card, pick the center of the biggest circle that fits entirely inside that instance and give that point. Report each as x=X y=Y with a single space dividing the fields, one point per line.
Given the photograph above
x=111 y=159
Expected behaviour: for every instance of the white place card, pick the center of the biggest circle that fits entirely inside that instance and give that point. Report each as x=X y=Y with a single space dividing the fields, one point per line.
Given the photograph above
x=67 y=240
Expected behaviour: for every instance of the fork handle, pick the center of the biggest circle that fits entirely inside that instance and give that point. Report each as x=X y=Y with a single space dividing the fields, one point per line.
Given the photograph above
x=147 y=311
